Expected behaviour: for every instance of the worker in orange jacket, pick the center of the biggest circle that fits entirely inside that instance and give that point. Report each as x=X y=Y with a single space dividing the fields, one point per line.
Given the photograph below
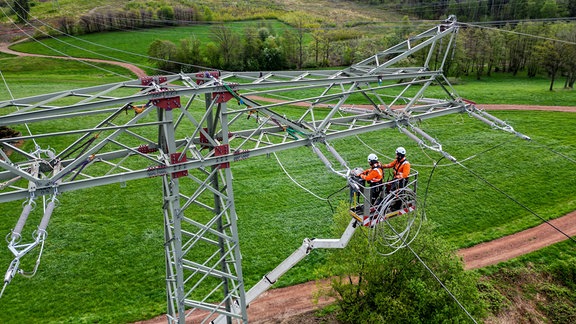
x=401 y=168
x=374 y=176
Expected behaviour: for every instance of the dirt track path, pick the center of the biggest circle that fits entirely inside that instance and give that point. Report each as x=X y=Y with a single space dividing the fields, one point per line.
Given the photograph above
x=4 y=47
x=281 y=304
x=521 y=243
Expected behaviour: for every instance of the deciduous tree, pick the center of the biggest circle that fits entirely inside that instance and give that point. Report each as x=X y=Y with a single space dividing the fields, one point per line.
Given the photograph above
x=373 y=288
x=22 y=10
x=228 y=43
x=164 y=53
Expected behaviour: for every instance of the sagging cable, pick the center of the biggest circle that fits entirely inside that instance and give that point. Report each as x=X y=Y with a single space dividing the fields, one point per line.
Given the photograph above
x=434 y=145
x=494 y=122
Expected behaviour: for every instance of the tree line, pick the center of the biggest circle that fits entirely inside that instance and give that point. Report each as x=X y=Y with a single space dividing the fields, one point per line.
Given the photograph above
x=543 y=47
x=480 y=10
x=131 y=16
x=534 y=48
x=531 y=48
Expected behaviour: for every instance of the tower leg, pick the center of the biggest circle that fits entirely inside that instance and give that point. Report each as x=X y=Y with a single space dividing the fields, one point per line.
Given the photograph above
x=203 y=261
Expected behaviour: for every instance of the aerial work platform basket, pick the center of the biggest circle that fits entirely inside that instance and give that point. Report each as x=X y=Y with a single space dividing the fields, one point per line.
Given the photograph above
x=372 y=204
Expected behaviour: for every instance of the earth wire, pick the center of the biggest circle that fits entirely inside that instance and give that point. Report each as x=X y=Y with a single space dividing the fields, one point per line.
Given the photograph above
x=442 y=284
x=294 y=180
x=12 y=97
x=103 y=46
x=436 y=277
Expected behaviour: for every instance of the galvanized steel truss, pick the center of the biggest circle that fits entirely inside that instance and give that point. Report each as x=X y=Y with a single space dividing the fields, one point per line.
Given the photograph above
x=184 y=129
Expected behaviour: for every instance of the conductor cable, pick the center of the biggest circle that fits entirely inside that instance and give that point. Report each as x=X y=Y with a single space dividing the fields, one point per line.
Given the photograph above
x=442 y=284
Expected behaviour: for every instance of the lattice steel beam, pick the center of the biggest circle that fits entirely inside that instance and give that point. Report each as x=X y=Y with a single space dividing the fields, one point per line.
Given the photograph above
x=184 y=129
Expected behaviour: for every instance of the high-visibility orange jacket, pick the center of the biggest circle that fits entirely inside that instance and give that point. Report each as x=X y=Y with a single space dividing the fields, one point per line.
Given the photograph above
x=401 y=168
x=374 y=174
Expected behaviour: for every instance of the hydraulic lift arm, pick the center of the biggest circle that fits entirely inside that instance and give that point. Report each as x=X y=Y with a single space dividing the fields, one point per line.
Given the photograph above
x=307 y=246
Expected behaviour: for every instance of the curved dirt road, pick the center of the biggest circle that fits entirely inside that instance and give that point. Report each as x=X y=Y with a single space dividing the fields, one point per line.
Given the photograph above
x=281 y=304
x=5 y=48
x=521 y=243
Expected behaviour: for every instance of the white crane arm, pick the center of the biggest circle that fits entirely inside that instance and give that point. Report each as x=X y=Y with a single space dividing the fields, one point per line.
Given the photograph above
x=307 y=246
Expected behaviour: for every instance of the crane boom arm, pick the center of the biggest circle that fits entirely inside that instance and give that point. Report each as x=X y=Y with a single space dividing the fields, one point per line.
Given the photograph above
x=307 y=246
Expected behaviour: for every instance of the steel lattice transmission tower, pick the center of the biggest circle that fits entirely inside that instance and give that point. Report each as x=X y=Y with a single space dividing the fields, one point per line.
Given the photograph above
x=183 y=129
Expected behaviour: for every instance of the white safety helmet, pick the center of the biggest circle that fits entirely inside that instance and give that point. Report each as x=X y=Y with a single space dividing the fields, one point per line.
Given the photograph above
x=401 y=150
x=372 y=157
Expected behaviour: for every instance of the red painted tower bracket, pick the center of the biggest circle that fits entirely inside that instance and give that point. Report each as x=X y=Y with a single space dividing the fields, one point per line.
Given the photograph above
x=167 y=103
x=223 y=96
x=222 y=150
x=178 y=158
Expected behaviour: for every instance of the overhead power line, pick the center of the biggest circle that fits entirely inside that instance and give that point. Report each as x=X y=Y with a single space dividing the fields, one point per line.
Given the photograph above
x=522 y=34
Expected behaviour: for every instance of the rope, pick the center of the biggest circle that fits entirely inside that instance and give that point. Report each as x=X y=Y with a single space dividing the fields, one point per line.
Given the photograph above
x=454 y=163
x=83 y=146
x=332 y=194
x=428 y=183
x=6 y=84
x=18 y=109
x=522 y=34
x=374 y=150
x=60 y=52
x=3 y=287
x=516 y=201
x=392 y=241
x=327 y=199
x=48 y=26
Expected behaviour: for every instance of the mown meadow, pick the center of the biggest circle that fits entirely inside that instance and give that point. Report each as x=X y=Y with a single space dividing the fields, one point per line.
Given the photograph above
x=104 y=260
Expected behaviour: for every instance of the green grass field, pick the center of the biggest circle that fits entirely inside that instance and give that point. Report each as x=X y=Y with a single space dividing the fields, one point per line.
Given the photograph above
x=104 y=261
x=132 y=46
